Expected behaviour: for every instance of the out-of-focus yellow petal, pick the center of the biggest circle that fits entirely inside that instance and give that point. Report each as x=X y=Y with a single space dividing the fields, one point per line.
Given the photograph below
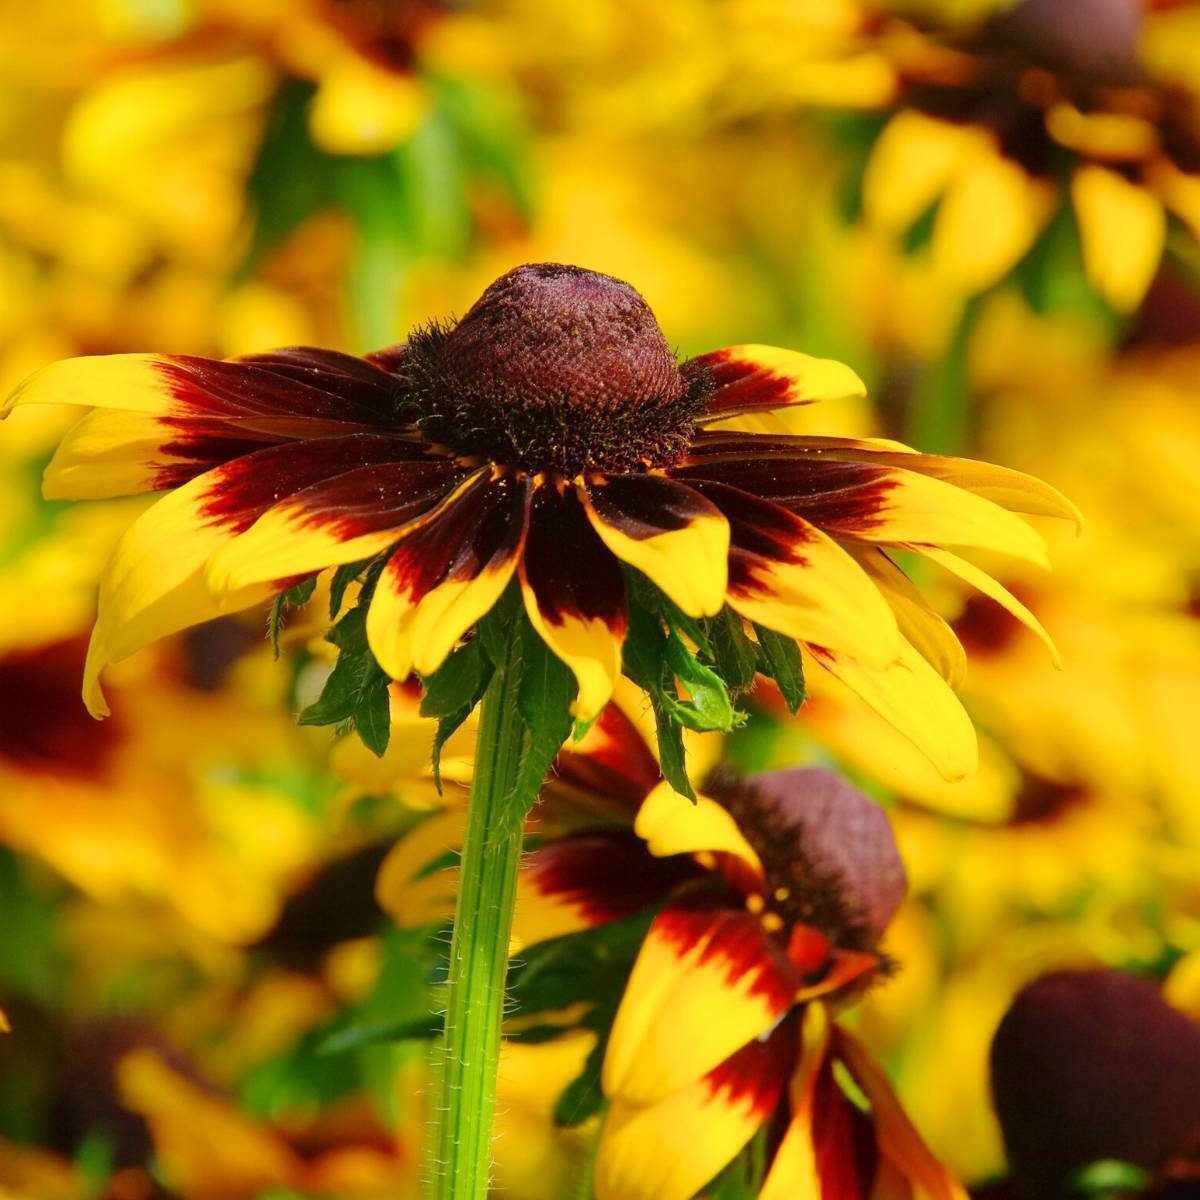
x=129 y=381
x=1123 y=229
x=363 y=109
x=673 y=824
x=406 y=888
x=989 y=217
x=915 y=699
x=1111 y=136
x=911 y=165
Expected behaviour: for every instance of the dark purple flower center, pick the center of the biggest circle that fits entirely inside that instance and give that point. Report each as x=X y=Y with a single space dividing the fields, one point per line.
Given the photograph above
x=554 y=369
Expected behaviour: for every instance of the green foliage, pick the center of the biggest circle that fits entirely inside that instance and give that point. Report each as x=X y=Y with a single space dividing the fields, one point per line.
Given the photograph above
x=295 y=597
x=452 y=692
x=779 y=659
x=355 y=695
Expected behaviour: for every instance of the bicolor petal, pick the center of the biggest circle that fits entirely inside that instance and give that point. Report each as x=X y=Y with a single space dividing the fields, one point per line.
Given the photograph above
x=762 y=378
x=669 y=532
x=912 y=697
x=707 y=981
x=574 y=595
x=787 y=575
x=341 y=520
x=447 y=573
x=671 y=1149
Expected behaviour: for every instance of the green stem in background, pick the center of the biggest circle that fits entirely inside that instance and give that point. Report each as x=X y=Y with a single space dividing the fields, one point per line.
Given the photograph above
x=491 y=856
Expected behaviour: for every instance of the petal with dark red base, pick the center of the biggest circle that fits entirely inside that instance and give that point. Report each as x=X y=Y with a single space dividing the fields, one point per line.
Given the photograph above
x=708 y=980
x=574 y=595
x=761 y=378
x=671 y=1149
x=667 y=531
x=154 y=583
x=786 y=574
x=340 y=520
x=447 y=574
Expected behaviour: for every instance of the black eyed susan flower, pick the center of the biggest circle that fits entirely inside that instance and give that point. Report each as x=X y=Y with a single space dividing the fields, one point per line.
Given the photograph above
x=1000 y=117
x=549 y=436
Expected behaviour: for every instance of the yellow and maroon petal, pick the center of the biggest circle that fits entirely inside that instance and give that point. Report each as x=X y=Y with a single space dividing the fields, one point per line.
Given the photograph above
x=669 y=532
x=889 y=505
x=787 y=575
x=897 y=1138
x=154 y=583
x=912 y=697
x=574 y=595
x=1123 y=228
x=671 y=1149
x=447 y=574
x=340 y=520
x=707 y=980
x=573 y=883
x=613 y=763
x=673 y=824
x=761 y=378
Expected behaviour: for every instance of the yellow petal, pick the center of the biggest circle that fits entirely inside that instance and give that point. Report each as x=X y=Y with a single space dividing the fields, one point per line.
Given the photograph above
x=1123 y=229
x=673 y=824
x=130 y=381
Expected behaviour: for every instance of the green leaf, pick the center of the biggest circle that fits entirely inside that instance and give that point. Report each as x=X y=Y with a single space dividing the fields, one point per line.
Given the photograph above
x=544 y=698
x=735 y=656
x=357 y=688
x=343 y=577
x=663 y=607
x=294 y=597
x=458 y=681
x=672 y=758
x=582 y=1097
x=495 y=628
x=370 y=1033
x=780 y=660
x=709 y=707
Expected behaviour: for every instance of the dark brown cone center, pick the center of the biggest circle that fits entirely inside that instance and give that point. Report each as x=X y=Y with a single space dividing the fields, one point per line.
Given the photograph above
x=554 y=369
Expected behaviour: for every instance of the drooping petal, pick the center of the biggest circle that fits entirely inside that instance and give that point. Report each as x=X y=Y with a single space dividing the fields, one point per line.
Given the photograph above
x=911 y=696
x=897 y=1137
x=673 y=824
x=447 y=574
x=418 y=880
x=876 y=503
x=707 y=980
x=574 y=595
x=154 y=583
x=1013 y=490
x=1123 y=229
x=983 y=582
x=671 y=1149
x=761 y=378
x=339 y=520
x=612 y=763
x=787 y=575
x=669 y=532
x=576 y=882
x=928 y=633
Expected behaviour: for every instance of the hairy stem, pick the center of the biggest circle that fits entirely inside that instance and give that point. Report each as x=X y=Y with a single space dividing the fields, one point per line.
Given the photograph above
x=491 y=857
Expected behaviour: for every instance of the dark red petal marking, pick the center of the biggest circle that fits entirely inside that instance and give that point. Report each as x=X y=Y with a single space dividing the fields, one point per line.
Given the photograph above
x=377 y=497
x=737 y=942
x=642 y=506
x=847 y=1156
x=571 y=571
x=607 y=875
x=613 y=763
x=760 y=533
x=842 y=497
x=210 y=387
x=481 y=527
x=239 y=492
x=757 y=1074
x=44 y=726
x=742 y=385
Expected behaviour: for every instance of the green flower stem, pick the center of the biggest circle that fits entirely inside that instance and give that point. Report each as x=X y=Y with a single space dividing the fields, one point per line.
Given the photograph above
x=483 y=917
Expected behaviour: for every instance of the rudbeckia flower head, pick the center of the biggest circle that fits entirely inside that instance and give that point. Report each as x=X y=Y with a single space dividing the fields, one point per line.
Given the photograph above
x=551 y=438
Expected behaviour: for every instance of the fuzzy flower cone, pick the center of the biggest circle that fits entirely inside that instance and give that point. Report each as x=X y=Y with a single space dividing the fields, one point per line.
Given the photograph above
x=551 y=436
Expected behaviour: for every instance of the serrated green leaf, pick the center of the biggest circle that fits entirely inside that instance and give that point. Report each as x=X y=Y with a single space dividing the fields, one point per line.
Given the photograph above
x=780 y=660
x=457 y=682
x=672 y=759
x=343 y=577
x=373 y=713
x=294 y=597
x=663 y=607
x=495 y=627
x=735 y=656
